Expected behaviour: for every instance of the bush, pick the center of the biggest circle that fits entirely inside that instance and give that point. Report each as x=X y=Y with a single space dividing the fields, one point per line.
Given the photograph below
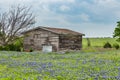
x=11 y=47
x=107 y=45
x=31 y=50
x=5 y=48
x=67 y=52
x=1 y=48
x=116 y=46
x=16 y=46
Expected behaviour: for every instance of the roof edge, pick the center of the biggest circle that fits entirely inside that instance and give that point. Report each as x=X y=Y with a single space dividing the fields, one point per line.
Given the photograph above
x=45 y=28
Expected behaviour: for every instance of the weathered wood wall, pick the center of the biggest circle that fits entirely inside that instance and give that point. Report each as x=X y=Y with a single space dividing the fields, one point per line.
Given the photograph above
x=37 y=38
x=72 y=42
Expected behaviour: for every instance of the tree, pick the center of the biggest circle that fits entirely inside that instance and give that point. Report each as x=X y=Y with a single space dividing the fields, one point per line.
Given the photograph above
x=117 y=32
x=13 y=22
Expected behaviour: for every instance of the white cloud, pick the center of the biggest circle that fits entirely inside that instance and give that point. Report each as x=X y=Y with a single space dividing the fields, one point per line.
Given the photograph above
x=93 y=29
x=38 y=1
x=84 y=17
x=53 y=1
x=107 y=5
x=64 y=8
x=101 y=8
x=9 y=2
x=48 y=17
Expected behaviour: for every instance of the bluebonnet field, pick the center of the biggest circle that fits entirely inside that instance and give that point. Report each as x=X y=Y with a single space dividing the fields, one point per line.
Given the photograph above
x=52 y=66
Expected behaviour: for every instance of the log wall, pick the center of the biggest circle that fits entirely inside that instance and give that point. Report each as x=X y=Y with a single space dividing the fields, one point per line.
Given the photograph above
x=37 y=38
x=72 y=42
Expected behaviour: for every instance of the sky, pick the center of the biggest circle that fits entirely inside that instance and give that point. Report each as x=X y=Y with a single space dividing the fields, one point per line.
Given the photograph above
x=94 y=18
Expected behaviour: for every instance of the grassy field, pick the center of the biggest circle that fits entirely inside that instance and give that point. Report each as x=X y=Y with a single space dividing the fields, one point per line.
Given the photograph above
x=52 y=66
x=99 y=42
x=94 y=63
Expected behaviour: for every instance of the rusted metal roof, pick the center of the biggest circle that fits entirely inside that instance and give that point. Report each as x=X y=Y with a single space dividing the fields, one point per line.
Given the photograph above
x=63 y=31
x=56 y=30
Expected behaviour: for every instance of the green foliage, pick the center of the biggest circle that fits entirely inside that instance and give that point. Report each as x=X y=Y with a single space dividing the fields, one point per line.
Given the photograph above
x=1 y=48
x=21 y=49
x=16 y=46
x=31 y=49
x=116 y=46
x=88 y=42
x=98 y=42
x=107 y=45
x=10 y=47
x=67 y=52
x=117 y=31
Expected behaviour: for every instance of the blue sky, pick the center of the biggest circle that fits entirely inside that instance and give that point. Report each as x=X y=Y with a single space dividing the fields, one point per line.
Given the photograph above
x=94 y=18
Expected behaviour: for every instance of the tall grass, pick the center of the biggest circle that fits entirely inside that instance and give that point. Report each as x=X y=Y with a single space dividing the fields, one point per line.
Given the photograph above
x=99 y=42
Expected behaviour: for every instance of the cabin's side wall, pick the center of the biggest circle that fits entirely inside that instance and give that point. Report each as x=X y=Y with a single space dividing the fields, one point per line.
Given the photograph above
x=71 y=42
x=37 y=38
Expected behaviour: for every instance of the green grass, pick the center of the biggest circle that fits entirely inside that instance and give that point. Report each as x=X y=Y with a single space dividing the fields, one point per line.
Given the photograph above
x=52 y=66
x=91 y=63
x=99 y=42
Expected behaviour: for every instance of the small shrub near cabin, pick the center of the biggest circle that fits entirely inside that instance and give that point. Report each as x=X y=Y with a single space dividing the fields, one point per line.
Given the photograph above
x=67 y=52
x=16 y=46
x=1 y=48
x=107 y=45
x=116 y=46
x=31 y=50
x=11 y=47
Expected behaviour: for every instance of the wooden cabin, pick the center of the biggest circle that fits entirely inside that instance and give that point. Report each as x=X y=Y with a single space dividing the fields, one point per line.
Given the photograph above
x=59 y=39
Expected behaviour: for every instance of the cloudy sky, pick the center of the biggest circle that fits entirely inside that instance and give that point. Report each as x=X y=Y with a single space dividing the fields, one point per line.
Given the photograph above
x=94 y=18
